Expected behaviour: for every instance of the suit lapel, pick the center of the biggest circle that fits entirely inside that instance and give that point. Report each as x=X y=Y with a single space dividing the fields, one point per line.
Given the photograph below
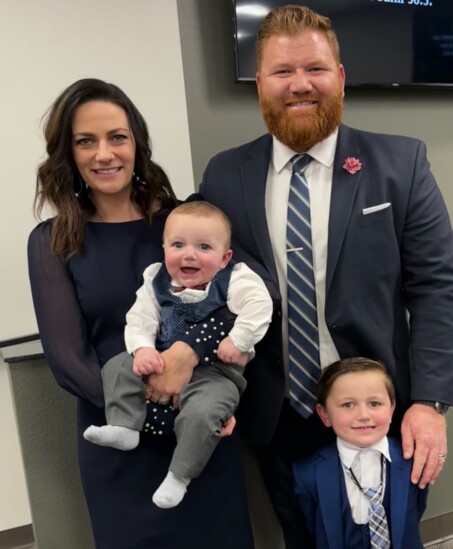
x=254 y=172
x=327 y=481
x=328 y=470
x=399 y=491
x=344 y=190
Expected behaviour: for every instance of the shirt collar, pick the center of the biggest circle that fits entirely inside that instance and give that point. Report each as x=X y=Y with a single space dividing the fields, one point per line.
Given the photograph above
x=177 y=288
x=323 y=152
x=348 y=452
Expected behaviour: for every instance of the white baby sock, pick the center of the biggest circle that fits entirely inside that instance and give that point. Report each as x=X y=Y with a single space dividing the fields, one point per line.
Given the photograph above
x=171 y=491
x=121 y=438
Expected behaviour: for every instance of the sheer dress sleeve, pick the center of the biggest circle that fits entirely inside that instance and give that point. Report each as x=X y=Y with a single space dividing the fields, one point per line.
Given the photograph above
x=69 y=353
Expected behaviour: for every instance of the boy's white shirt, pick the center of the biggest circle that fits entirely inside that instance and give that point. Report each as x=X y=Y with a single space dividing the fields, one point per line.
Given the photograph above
x=366 y=465
x=248 y=298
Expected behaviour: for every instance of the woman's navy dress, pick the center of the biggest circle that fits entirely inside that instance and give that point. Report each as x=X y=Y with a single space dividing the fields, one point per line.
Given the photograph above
x=80 y=307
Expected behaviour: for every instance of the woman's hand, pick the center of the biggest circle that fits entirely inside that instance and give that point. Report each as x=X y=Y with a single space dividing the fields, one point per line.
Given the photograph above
x=179 y=362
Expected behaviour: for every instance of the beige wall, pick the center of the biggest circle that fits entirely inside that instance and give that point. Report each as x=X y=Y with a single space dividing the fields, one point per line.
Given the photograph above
x=46 y=45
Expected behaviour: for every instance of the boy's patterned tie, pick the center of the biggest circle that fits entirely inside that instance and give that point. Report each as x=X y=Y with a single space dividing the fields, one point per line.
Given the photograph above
x=377 y=520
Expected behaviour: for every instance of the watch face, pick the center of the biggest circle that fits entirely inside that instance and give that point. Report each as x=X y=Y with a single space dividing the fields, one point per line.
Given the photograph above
x=441 y=408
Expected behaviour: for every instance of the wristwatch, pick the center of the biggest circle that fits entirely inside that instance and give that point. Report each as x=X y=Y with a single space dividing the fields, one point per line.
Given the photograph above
x=440 y=407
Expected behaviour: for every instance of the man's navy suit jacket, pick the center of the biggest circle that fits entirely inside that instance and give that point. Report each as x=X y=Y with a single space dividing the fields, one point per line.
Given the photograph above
x=319 y=492
x=379 y=266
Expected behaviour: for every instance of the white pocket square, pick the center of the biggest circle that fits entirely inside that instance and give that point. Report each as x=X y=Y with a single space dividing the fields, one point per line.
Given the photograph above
x=377 y=208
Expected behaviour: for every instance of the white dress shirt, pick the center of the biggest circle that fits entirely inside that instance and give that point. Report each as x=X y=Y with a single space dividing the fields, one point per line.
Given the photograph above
x=366 y=465
x=319 y=178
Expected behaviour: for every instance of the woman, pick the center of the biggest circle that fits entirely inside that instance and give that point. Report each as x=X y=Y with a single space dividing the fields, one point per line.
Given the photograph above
x=85 y=267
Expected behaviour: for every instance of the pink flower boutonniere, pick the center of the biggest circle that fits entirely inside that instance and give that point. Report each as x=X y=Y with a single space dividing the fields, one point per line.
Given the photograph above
x=352 y=165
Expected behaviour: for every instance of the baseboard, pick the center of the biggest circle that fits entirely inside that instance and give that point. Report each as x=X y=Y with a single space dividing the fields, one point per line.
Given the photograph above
x=17 y=537
x=444 y=543
x=433 y=530
x=438 y=528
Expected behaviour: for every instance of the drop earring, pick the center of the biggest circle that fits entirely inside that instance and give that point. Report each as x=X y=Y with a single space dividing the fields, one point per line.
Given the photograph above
x=138 y=180
x=79 y=192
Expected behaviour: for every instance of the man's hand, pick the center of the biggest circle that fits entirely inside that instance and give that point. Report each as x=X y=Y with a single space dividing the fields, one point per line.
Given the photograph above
x=147 y=361
x=179 y=362
x=424 y=437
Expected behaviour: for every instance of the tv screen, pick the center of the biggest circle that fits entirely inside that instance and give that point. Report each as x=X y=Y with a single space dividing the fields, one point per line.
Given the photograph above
x=392 y=43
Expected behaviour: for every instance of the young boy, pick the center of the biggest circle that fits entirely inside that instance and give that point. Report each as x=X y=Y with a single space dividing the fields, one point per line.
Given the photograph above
x=357 y=494
x=196 y=280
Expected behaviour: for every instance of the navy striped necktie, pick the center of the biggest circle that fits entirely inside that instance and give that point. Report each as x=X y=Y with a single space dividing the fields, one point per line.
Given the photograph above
x=304 y=365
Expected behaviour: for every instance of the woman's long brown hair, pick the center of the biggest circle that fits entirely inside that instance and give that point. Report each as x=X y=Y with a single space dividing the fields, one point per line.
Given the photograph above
x=58 y=179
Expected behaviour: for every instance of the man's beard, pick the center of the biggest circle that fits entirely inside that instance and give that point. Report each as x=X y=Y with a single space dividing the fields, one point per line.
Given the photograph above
x=316 y=125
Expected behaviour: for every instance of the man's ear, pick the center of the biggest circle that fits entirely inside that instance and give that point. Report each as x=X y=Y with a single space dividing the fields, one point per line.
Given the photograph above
x=322 y=413
x=226 y=258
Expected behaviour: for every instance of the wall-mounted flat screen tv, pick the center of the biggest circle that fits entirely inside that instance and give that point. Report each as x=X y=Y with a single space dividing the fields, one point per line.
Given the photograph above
x=391 y=43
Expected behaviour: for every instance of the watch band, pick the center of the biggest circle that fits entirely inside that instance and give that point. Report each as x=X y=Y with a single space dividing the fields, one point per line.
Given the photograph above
x=440 y=407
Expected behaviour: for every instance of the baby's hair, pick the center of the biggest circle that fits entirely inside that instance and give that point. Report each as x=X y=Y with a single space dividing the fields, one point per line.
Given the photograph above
x=201 y=208
x=351 y=366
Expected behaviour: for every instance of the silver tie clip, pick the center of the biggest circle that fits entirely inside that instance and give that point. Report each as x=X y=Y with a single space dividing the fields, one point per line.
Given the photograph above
x=294 y=249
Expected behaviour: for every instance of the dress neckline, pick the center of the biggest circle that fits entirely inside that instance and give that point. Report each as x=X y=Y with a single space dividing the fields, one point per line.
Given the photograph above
x=106 y=223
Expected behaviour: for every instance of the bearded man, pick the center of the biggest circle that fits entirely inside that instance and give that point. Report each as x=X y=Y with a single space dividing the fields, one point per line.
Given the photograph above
x=379 y=245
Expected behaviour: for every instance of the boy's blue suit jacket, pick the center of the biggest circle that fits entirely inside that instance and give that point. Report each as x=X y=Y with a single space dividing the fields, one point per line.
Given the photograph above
x=317 y=486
